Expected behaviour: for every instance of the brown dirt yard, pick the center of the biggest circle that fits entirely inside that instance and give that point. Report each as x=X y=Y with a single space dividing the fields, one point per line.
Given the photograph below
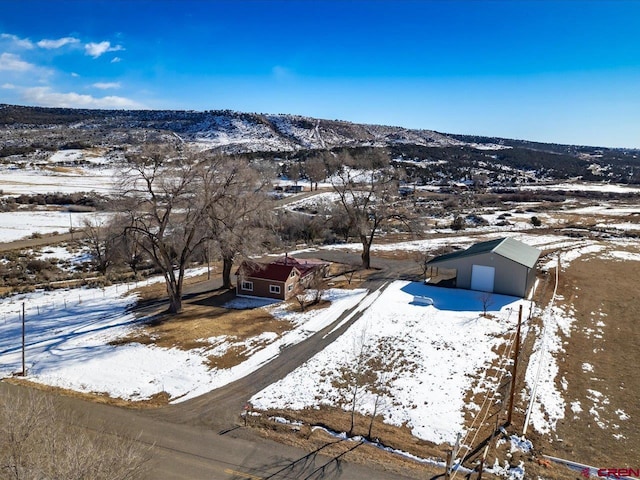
x=601 y=364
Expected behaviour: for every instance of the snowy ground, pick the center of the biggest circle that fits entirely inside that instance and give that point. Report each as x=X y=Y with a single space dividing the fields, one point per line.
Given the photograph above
x=68 y=334
x=432 y=355
x=54 y=174
x=586 y=187
x=22 y=224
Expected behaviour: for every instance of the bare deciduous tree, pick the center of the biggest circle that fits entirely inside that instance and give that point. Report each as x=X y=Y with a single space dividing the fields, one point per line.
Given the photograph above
x=37 y=442
x=369 y=374
x=352 y=379
x=315 y=170
x=422 y=258
x=294 y=172
x=127 y=246
x=239 y=214
x=311 y=294
x=318 y=288
x=366 y=187
x=486 y=298
x=166 y=192
x=102 y=238
x=301 y=298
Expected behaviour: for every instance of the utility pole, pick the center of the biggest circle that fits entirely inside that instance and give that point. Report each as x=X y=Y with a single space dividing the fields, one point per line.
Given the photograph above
x=515 y=368
x=208 y=262
x=24 y=368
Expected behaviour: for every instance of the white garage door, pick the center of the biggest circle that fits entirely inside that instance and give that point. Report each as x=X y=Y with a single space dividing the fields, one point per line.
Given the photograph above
x=482 y=278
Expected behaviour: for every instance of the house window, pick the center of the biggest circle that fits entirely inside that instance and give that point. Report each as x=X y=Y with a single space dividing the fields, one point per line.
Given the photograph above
x=274 y=288
x=293 y=274
x=247 y=286
x=290 y=287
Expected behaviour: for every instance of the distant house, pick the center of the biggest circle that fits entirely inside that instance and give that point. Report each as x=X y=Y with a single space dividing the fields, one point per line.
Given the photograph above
x=280 y=279
x=504 y=266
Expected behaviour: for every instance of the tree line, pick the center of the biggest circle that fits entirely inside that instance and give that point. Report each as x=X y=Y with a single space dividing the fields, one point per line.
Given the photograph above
x=177 y=205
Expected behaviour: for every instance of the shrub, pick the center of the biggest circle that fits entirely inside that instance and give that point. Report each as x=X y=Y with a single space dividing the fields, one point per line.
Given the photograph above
x=458 y=223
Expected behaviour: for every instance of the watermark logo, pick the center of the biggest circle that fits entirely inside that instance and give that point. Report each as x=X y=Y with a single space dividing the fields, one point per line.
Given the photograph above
x=612 y=472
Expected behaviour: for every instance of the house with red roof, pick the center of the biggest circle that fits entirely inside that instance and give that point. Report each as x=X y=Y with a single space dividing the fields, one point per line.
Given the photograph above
x=280 y=279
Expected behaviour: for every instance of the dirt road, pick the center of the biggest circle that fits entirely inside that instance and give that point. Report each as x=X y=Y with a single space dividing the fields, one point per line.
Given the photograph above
x=42 y=241
x=180 y=451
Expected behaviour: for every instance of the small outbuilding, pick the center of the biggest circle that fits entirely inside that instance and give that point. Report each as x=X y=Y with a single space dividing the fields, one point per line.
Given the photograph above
x=504 y=266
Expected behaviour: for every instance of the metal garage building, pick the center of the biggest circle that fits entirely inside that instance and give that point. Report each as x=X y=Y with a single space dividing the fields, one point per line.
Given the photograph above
x=504 y=266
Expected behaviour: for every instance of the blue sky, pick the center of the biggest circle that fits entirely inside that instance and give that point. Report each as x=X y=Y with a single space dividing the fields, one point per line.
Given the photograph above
x=554 y=71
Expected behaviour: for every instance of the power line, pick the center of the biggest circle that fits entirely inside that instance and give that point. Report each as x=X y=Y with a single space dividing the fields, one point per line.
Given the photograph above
x=543 y=345
x=489 y=395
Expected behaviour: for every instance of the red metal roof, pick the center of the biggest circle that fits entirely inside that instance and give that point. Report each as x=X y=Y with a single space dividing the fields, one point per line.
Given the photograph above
x=280 y=269
x=304 y=265
x=267 y=271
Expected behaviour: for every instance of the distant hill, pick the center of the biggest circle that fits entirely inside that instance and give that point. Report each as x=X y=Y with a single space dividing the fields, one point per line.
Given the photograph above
x=222 y=129
x=27 y=129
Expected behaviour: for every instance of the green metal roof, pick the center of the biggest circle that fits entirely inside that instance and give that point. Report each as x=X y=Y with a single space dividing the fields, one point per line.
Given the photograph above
x=505 y=247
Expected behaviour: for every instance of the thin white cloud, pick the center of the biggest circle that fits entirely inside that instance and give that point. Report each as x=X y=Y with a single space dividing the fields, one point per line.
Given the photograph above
x=10 y=62
x=9 y=86
x=116 y=60
x=281 y=73
x=106 y=85
x=57 y=43
x=95 y=50
x=74 y=74
x=45 y=97
x=17 y=41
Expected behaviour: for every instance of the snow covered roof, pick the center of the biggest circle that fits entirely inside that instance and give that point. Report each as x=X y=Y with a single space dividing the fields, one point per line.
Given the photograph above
x=506 y=247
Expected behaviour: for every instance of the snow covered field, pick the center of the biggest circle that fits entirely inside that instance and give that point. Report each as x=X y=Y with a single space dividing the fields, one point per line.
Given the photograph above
x=432 y=356
x=586 y=187
x=22 y=224
x=93 y=174
x=68 y=334
x=53 y=176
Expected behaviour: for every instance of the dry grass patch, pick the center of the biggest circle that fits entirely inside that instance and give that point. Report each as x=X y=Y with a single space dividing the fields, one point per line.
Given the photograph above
x=156 y=400
x=233 y=356
x=338 y=420
x=196 y=323
x=603 y=296
x=64 y=170
x=202 y=322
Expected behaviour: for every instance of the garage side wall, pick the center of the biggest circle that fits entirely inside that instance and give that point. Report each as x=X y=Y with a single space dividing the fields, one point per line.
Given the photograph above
x=510 y=277
x=531 y=280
